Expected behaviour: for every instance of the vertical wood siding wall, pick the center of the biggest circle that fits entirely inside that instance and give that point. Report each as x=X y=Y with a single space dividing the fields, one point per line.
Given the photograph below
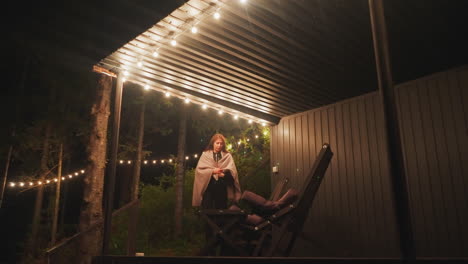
x=353 y=213
x=434 y=117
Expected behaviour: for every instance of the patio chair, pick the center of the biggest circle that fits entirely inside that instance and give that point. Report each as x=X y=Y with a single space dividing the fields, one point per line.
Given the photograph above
x=275 y=229
x=225 y=225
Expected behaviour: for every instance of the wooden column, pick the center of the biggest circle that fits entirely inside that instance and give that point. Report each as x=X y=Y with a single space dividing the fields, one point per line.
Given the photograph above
x=397 y=169
x=109 y=184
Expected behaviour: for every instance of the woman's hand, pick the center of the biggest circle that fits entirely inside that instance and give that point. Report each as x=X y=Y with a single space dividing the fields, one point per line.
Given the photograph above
x=217 y=171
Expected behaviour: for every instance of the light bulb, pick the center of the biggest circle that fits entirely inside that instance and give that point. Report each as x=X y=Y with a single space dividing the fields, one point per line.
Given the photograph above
x=173 y=42
x=194 y=30
x=155 y=54
x=217 y=15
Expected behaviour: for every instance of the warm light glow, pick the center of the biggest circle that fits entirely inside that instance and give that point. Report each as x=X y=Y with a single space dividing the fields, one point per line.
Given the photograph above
x=147 y=87
x=70 y=176
x=187 y=100
x=124 y=79
x=155 y=54
x=145 y=162
x=263 y=124
x=31 y=184
x=220 y=112
x=139 y=64
x=129 y=162
x=82 y=171
x=217 y=15
x=186 y=157
x=170 y=160
x=121 y=161
x=126 y=73
x=63 y=178
x=204 y=106
x=47 y=181
x=250 y=121
x=39 y=183
x=194 y=30
x=12 y=184
x=243 y=1
x=173 y=42
x=265 y=132
x=238 y=143
x=168 y=94
x=196 y=156
x=236 y=117
x=154 y=161
x=229 y=146
x=256 y=136
x=162 y=161
x=76 y=173
x=21 y=184
x=55 y=180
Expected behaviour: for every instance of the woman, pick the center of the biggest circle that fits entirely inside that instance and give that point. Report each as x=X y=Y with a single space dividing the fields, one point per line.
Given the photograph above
x=216 y=182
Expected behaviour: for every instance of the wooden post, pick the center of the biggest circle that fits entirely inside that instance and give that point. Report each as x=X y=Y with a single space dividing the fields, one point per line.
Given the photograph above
x=109 y=184
x=397 y=169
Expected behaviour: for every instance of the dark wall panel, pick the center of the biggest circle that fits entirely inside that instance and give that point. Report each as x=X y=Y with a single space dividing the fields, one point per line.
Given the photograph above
x=353 y=213
x=434 y=129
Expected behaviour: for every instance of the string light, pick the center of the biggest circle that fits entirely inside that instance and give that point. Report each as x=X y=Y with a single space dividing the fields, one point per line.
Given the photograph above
x=217 y=15
x=155 y=54
x=40 y=182
x=173 y=42
x=186 y=100
x=194 y=30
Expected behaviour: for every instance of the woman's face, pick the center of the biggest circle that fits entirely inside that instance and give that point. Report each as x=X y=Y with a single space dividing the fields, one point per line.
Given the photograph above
x=218 y=145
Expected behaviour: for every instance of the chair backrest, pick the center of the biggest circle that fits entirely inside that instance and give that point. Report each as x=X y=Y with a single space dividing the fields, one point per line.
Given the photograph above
x=311 y=185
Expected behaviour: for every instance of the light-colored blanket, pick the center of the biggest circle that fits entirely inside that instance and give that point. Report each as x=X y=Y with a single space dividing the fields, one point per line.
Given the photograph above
x=204 y=172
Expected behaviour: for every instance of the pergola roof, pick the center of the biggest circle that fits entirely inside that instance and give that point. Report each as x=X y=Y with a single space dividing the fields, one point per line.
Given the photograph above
x=261 y=59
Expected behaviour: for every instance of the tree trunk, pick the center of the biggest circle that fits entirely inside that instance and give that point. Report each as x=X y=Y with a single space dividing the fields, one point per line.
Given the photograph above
x=179 y=185
x=138 y=158
x=91 y=209
x=5 y=174
x=57 y=198
x=40 y=189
